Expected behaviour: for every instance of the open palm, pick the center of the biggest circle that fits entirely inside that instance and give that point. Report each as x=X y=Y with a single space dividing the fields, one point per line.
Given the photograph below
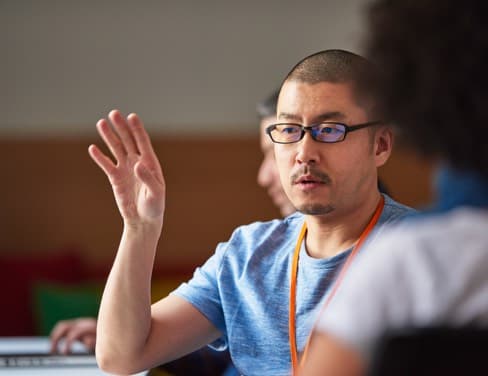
x=136 y=176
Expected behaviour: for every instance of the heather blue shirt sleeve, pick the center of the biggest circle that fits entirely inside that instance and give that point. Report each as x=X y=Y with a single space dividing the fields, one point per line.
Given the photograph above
x=202 y=292
x=243 y=290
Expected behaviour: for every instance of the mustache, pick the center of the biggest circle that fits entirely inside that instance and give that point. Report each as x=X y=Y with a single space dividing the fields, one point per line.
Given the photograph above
x=313 y=172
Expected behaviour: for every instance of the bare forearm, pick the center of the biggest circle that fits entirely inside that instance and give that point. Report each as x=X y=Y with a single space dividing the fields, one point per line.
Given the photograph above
x=124 y=320
x=125 y=325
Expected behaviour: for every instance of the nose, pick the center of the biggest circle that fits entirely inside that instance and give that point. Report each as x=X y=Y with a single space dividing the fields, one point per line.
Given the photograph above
x=307 y=150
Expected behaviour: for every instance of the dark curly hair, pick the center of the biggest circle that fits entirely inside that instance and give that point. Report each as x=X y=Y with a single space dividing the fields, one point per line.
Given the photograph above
x=432 y=57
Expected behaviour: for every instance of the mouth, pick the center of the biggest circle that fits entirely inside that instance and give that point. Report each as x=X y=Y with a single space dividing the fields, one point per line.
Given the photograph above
x=308 y=180
x=305 y=180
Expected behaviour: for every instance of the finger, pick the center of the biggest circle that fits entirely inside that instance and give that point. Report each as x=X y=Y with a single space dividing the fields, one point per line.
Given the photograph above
x=104 y=162
x=144 y=146
x=89 y=341
x=111 y=139
x=140 y=135
x=149 y=179
x=75 y=334
x=123 y=131
x=58 y=332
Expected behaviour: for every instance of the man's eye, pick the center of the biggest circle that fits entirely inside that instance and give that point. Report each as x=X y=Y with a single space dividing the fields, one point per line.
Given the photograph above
x=329 y=130
x=289 y=130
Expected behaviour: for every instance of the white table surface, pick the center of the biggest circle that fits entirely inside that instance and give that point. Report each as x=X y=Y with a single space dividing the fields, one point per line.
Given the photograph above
x=31 y=345
x=40 y=345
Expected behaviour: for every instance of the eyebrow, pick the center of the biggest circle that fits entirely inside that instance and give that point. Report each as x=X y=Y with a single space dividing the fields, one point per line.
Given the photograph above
x=331 y=115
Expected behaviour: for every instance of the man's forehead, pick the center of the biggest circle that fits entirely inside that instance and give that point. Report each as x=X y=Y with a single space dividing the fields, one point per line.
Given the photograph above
x=325 y=99
x=312 y=91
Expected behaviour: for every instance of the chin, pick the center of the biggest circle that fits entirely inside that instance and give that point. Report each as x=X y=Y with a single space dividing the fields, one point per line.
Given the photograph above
x=315 y=209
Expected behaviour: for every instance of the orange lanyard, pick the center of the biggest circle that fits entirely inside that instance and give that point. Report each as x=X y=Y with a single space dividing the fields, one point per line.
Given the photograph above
x=294 y=272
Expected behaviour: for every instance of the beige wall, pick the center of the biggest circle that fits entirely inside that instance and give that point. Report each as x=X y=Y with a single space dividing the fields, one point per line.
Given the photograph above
x=197 y=64
x=191 y=69
x=53 y=197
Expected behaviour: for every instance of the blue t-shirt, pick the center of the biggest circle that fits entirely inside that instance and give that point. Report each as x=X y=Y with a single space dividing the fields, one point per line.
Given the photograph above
x=243 y=289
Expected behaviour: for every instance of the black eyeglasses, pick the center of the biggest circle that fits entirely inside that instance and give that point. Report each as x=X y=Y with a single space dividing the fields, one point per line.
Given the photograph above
x=328 y=132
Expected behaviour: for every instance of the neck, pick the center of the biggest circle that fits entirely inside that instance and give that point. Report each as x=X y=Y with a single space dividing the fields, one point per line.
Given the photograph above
x=333 y=233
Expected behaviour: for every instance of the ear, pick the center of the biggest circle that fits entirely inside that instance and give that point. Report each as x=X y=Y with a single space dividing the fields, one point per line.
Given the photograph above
x=383 y=144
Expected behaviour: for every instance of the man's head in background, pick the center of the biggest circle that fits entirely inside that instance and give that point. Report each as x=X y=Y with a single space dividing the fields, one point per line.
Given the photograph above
x=432 y=58
x=268 y=176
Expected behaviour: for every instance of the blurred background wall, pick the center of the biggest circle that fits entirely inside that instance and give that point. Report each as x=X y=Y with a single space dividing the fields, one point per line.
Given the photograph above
x=194 y=71
x=179 y=63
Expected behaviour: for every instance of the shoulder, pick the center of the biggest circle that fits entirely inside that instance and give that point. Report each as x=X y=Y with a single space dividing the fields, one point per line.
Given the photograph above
x=462 y=224
x=393 y=210
x=260 y=231
x=409 y=269
x=261 y=239
x=393 y=213
x=421 y=255
x=429 y=241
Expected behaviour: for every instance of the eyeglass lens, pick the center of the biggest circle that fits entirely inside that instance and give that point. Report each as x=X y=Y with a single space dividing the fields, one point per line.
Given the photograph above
x=326 y=132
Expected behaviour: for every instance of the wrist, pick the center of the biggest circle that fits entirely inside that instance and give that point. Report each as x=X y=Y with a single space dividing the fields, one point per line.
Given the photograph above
x=143 y=228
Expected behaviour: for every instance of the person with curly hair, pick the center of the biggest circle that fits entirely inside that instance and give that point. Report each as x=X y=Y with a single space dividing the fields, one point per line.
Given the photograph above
x=430 y=271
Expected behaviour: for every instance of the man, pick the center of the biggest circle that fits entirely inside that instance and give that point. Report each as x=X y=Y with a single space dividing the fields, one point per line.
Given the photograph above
x=83 y=329
x=431 y=271
x=268 y=176
x=329 y=145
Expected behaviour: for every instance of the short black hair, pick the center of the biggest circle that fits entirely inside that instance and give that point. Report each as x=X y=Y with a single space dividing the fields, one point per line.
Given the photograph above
x=338 y=66
x=432 y=58
x=267 y=106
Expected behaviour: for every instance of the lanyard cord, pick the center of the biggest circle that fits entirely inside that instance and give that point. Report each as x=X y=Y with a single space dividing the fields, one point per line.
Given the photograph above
x=293 y=285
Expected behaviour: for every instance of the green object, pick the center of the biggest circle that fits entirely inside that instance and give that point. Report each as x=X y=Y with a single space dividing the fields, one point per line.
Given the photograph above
x=55 y=302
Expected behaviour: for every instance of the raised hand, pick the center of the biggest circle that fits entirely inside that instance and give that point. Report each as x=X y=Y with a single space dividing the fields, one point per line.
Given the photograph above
x=136 y=176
